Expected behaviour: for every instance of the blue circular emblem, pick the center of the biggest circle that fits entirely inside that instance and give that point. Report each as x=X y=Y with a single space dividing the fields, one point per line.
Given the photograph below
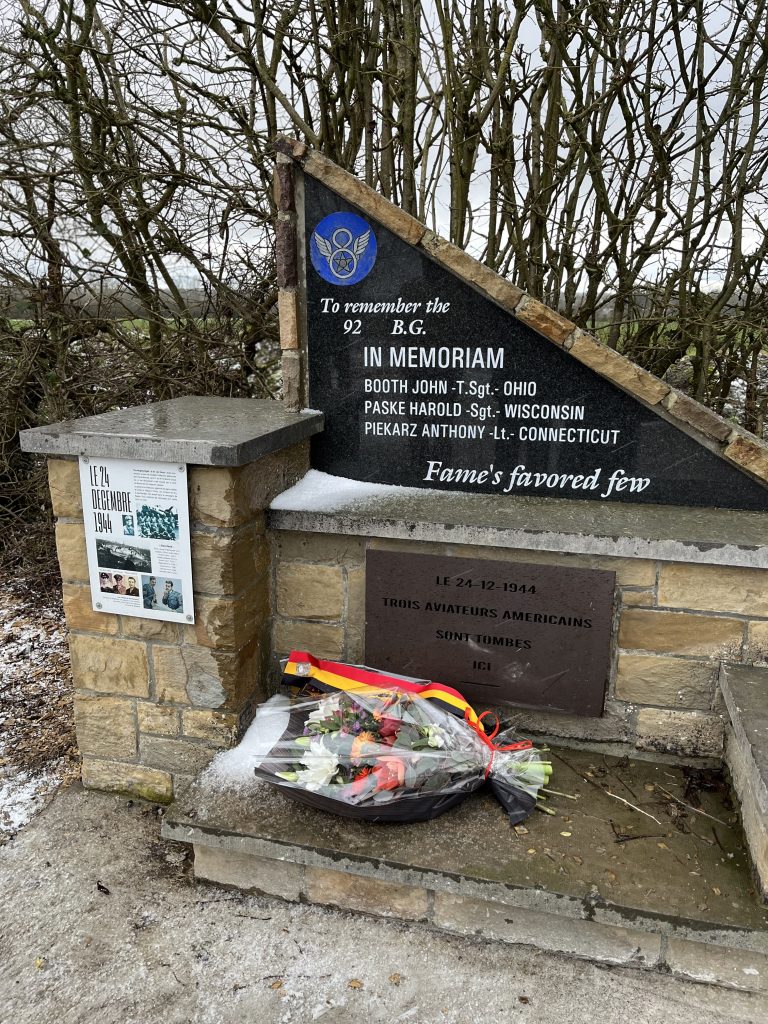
x=342 y=248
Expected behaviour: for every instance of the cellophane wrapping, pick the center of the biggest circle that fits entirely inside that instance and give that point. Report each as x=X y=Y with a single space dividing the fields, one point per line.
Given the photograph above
x=389 y=756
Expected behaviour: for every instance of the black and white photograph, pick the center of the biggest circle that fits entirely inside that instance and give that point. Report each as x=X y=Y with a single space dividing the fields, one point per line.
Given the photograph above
x=128 y=526
x=169 y=594
x=156 y=523
x=115 y=554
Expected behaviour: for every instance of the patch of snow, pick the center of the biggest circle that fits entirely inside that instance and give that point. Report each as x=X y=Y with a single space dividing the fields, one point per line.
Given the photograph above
x=232 y=769
x=22 y=795
x=35 y=707
x=750 y=970
x=321 y=492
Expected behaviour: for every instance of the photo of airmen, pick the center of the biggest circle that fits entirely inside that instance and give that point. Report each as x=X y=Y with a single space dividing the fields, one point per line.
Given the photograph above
x=131 y=590
x=171 y=596
x=157 y=523
x=106 y=583
x=149 y=592
x=115 y=554
x=128 y=529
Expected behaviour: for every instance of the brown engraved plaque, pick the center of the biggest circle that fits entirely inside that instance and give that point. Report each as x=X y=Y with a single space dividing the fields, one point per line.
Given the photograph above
x=536 y=636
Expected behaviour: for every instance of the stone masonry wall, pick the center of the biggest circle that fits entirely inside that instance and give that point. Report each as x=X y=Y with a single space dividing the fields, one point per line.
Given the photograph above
x=154 y=700
x=675 y=622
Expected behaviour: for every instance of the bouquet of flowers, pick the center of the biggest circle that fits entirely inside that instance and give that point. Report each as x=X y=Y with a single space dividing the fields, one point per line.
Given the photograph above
x=386 y=748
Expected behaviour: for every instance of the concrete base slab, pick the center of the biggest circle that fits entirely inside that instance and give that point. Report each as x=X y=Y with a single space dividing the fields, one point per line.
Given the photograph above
x=599 y=880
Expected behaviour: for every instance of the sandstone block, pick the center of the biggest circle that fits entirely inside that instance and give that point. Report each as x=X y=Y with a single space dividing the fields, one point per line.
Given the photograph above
x=171 y=676
x=213 y=496
x=179 y=756
x=617 y=368
x=206 y=678
x=132 y=779
x=64 y=485
x=680 y=633
x=310 y=591
x=285 y=198
x=696 y=415
x=149 y=629
x=249 y=872
x=230 y=623
x=70 y=548
x=226 y=563
x=354 y=649
x=158 y=719
x=354 y=191
x=356 y=596
x=689 y=733
x=319 y=638
x=292 y=389
x=370 y=895
x=285 y=250
x=757 y=643
x=473 y=272
x=291 y=148
x=637 y=598
x=670 y=682
x=544 y=320
x=714 y=588
x=105 y=726
x=288 y=311
x=216 y=727
x=749 y=453
x=327 y=548
x=109 y=665
x=80 y=614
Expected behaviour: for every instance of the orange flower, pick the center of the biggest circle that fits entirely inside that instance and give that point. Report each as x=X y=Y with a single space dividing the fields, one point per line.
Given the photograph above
x=358 y=741
x=358 y=783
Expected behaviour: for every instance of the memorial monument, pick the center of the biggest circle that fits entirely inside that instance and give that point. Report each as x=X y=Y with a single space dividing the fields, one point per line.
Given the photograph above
x=458 y=484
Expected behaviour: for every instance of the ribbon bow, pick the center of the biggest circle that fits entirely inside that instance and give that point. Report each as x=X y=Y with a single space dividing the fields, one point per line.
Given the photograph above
x=488 y=738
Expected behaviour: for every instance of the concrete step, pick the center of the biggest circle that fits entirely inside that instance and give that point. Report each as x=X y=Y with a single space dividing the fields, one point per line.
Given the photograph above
x=745 y=691
x=623 y=874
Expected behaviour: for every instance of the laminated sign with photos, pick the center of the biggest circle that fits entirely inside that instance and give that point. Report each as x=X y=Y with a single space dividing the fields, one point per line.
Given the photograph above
x=136 y=518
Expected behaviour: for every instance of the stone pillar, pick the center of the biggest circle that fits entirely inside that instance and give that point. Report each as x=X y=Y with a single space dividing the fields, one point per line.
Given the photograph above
x=154 y=700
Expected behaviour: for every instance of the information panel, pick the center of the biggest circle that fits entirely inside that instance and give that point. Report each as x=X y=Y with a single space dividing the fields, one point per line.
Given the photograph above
x=427 y=383
x=537 y=636
x=136 y=517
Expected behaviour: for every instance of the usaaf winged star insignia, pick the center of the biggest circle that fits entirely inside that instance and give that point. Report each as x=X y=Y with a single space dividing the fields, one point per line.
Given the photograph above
x=342 y=251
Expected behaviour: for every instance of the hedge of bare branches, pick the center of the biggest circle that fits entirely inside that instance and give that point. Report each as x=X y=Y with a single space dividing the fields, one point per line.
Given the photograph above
x=608 y=156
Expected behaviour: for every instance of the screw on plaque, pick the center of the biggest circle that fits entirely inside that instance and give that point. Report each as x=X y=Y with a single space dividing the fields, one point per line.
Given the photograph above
x=189 y=618
x=85 y=460
x=303 y=668
x=181 y=469
x=98 y=604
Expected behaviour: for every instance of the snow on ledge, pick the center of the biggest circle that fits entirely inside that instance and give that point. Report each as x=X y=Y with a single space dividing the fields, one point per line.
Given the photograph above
x=321 y=492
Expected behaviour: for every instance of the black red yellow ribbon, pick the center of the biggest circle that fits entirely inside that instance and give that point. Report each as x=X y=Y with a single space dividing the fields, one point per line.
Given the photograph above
x=334 y=675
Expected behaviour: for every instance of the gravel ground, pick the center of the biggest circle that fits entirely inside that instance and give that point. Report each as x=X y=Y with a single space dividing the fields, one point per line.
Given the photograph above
x=100 y=921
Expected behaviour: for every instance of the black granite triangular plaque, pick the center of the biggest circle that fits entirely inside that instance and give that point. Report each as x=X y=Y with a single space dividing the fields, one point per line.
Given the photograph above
x=424 y=382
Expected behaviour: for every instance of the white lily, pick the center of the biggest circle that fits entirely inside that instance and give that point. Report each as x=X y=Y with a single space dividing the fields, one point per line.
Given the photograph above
x=326 y=708
x=321 y=764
